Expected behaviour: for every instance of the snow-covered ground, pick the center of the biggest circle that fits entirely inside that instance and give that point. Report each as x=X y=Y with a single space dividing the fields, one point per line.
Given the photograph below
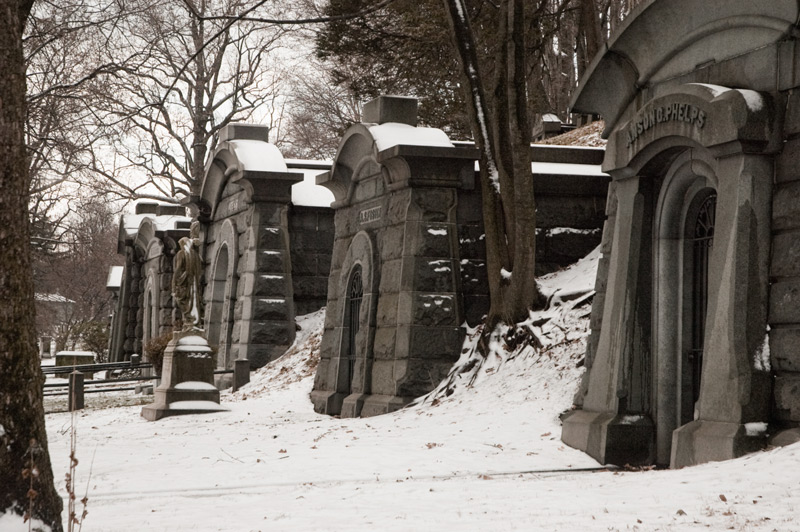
x=482 y=453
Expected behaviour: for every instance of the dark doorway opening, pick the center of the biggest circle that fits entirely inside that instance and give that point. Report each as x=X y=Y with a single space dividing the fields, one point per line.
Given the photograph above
x=702 y=243
x=355 y=294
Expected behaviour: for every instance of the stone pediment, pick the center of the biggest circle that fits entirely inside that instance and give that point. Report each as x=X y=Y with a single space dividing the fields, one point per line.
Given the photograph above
x=244 y=158
x=389 y=150
x=662 y=40
x=692 y=114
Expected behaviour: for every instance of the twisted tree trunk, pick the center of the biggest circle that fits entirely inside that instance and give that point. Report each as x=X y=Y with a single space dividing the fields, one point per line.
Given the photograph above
x=502 y=130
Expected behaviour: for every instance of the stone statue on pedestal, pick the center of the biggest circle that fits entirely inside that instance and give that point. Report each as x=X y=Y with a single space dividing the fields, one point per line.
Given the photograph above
x=186 y=280
x=187 y=375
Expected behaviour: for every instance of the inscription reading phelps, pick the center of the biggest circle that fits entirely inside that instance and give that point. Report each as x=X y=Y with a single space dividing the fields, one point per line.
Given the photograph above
x=373 y=214
x=676 y=112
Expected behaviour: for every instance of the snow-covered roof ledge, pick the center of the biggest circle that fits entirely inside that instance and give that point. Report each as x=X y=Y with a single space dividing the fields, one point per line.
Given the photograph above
x=245 y=156
x=114 y=280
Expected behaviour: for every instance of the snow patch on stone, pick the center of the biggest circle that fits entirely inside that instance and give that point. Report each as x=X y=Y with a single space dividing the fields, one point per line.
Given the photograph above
x=395 y=134
x=258 y=156
x=761 y=359
x=756 y=428
x=195 y=405
x=195 y=385
x=754 y=101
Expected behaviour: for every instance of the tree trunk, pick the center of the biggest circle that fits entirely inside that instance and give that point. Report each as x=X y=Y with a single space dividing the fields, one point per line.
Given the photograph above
x=27 y=477
x=521 y=293
x=502 y=132
x=589 y=35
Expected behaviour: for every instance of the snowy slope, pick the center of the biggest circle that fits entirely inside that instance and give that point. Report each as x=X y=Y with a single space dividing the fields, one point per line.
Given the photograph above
x=485 y=457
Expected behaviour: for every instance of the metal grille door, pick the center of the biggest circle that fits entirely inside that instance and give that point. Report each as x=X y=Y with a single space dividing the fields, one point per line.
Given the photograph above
x=703 y=241
x=355 y=294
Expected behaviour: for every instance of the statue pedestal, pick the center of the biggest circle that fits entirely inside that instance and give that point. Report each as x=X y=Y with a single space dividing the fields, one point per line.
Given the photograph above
x=187 y=379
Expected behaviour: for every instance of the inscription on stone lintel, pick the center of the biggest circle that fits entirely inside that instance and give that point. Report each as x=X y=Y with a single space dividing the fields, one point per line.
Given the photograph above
x=676 y=112
x=227 y=207
x=373 y=214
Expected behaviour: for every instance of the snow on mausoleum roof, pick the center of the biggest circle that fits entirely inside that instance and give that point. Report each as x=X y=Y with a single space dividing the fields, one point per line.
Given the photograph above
x=114 y=279
x=307 y=193
x=392 y=134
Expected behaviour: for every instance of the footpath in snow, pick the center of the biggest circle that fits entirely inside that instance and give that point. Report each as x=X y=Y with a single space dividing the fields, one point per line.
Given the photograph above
x=483 y=452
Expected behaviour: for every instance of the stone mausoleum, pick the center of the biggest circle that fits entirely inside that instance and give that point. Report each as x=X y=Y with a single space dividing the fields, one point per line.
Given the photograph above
x=695 y=347
x=267 y=246
x=148 y=240
x=408 y=263
x=266 y=237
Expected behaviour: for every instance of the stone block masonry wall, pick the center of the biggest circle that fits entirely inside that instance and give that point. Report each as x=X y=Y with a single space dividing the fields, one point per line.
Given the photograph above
x=784 y=312
x=424 y=294
x=570 y=208
x=570 y=215
x=267 y=323
x=472 y=250
x=258 y=287
x=311 y=234
x=133 y=343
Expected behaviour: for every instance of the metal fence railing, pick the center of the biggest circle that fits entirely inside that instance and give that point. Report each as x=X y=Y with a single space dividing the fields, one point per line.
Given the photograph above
x=126 y=372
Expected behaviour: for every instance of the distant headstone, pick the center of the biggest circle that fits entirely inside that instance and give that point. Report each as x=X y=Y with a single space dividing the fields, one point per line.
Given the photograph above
x=75 y=358
x=45 y=349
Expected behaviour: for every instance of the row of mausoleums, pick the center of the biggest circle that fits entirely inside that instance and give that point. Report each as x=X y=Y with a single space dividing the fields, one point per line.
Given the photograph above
x=695 y=346
x=393 y=245
x=257 y=277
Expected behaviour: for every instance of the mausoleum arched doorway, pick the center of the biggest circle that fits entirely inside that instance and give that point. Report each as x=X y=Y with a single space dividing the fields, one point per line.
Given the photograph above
x=683 y=237
x=358 y=291
x=701 y=236
x=150 y=309
x=355 y=296
x=222 y=302
x=680 y=314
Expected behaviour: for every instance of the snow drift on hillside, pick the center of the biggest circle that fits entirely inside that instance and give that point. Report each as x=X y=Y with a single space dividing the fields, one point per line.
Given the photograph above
x=588 y=135
x=557 y=334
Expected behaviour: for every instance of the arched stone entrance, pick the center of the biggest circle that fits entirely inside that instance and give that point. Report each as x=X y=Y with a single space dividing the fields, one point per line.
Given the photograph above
x=681 y=289
x=357 y=291
x=222 y=286
x=355 y=295
x=671 y=377
x=700 y=240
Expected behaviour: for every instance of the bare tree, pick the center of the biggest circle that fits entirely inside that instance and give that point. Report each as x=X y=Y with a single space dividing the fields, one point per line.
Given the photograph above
x=199 y=74
x=500 y=117
x=64 y=45
x=320 y=111
x=71 y=279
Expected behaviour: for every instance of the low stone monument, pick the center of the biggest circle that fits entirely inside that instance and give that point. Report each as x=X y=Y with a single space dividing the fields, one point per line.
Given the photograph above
x=187 y=385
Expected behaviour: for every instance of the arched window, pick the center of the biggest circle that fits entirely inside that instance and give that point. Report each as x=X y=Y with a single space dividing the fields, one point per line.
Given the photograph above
x=355 y=293
x=702 y=242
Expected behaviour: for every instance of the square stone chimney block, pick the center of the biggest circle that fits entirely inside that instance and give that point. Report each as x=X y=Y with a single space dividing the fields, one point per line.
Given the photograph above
x=400 y=109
